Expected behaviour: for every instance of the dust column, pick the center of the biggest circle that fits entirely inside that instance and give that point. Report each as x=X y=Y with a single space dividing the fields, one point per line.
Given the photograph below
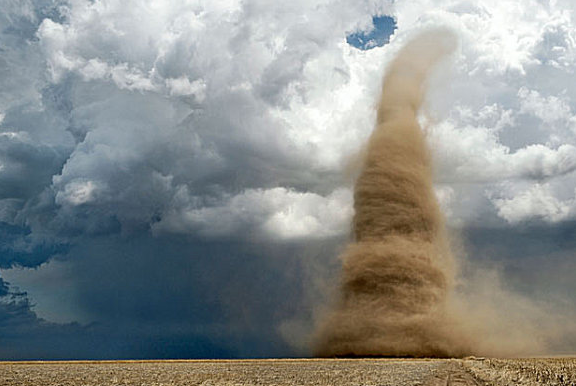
x=397 y=273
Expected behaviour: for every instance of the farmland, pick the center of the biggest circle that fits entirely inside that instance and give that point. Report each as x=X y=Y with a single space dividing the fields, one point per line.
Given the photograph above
x=530 y=371
x=383 y=372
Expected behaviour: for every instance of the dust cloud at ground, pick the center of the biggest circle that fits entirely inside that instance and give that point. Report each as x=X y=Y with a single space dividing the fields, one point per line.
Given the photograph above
x=400 y=292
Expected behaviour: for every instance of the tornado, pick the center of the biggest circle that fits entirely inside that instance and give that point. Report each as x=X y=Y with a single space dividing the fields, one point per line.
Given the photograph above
x=397 y=272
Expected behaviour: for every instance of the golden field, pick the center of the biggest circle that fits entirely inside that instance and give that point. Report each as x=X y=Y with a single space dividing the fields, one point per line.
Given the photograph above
x=529 y=371
x=349 y=372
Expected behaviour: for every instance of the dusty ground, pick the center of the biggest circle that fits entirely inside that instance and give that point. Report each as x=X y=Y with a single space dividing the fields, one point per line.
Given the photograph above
x=397 y=372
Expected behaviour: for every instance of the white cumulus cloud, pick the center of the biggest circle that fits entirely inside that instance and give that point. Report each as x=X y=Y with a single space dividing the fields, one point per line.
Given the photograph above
x=186 y=110
x=276 y=213
x=537 y=202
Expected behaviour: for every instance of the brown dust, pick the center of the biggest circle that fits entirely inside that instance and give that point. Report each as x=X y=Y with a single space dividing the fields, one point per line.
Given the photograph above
x=397 y=273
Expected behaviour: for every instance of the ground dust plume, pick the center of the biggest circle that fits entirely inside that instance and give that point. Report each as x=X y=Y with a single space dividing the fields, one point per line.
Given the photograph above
x=398 y=272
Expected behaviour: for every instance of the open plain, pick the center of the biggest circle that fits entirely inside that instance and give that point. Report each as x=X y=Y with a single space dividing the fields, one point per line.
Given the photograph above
x=349 y=372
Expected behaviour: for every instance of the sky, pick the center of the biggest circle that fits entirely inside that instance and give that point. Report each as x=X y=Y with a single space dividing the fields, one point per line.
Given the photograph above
x=174 y=176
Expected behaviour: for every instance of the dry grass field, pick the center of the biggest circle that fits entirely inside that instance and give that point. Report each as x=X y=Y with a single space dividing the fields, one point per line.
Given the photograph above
x=530 y=371
x=349 y=372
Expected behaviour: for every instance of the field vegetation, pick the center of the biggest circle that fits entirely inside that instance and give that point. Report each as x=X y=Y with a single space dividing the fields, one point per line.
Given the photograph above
x=292 y=372
x=529 y=371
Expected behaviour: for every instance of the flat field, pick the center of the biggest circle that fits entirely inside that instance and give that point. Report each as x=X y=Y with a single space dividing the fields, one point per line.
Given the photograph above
x=349 y=372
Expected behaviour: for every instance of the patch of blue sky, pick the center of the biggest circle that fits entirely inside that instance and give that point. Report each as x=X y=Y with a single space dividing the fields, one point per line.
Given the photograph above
x=383 y=27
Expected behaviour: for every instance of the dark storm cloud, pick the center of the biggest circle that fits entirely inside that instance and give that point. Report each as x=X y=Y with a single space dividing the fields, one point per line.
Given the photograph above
x=537 y=259
x=25 y=336
x=27 y=168
x=3 y=288
x=172 y=298
x=19 y=248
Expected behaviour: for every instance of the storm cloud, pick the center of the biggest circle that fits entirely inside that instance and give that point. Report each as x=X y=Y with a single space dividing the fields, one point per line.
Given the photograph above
x=173 y=175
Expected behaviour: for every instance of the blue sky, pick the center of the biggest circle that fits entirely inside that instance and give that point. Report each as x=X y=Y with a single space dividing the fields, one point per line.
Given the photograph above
x=382 y=28
x=174 y=176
